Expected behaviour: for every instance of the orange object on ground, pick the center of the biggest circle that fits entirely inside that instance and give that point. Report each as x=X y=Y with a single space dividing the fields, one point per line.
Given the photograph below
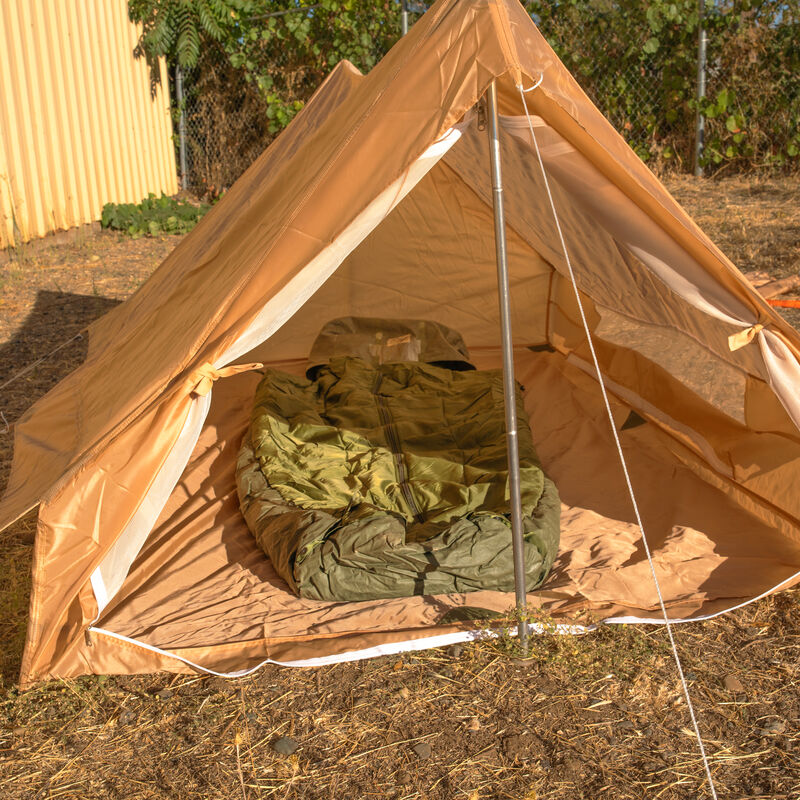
x=785 y=303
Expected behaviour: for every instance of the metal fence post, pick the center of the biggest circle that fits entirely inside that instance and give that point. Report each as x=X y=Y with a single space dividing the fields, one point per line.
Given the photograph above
x=701 y=92
x=181 y=127
x=404 y=17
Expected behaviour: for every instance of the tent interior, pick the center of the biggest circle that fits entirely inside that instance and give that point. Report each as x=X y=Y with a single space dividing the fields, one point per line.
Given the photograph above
x=705 y=437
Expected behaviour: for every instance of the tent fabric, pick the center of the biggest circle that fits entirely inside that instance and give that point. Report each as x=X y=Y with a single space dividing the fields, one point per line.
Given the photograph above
x=391 y=480
x=375 y=201
x=269 y=319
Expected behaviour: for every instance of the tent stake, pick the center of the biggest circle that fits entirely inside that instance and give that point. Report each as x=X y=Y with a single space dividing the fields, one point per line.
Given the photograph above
x=509 y=384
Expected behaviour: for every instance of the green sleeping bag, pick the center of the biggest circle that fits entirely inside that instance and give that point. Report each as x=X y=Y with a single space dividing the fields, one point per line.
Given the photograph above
x=391 y=480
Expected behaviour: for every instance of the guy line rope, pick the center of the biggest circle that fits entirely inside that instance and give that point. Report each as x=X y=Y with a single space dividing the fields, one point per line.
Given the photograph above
x=26 y=370
x=624 y=464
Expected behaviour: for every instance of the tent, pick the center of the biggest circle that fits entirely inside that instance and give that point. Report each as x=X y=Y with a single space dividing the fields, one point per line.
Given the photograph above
x=377 y=201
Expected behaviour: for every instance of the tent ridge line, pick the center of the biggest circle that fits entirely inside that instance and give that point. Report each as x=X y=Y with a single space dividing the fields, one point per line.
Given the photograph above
x=507 y=40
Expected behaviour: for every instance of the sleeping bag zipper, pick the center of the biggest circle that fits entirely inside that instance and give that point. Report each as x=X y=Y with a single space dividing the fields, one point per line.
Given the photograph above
x=393 y=438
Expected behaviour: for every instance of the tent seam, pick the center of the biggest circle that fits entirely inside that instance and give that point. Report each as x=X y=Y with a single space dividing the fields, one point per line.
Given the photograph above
x=509 y=45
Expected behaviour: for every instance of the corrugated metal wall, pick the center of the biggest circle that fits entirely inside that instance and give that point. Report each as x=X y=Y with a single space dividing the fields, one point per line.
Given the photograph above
x=79 y=125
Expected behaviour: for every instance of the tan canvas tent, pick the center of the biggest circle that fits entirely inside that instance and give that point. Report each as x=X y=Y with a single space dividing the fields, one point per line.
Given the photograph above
x=376 y=201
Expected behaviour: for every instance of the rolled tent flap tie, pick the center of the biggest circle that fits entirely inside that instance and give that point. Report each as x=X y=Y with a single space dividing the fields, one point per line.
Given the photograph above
x=742 y=338
x=203 y=378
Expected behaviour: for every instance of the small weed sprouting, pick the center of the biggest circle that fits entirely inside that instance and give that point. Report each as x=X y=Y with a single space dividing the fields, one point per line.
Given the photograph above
x=582 y=646
x=153 y=216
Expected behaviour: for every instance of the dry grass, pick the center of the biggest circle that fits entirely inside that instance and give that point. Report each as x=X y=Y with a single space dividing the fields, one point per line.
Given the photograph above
x=756 y=222
x=598 y=716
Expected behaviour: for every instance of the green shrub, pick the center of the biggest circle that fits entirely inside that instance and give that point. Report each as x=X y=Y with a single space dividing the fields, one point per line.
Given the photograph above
x=153 y=216
x=638 y=62
x=249 y=67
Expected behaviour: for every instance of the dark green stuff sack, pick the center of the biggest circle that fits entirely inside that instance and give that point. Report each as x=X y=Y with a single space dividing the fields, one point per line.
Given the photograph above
x=391 y=480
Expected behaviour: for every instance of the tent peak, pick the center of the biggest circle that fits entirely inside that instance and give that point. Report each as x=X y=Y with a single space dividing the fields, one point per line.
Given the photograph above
x=507 y=39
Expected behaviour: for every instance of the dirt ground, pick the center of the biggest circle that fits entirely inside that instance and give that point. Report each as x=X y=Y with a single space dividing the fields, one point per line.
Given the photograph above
x=597 y=716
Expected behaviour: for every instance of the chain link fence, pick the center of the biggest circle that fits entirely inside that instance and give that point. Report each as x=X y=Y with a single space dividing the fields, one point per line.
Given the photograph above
x=629 y=95
x=645 y=87
x=225 y=124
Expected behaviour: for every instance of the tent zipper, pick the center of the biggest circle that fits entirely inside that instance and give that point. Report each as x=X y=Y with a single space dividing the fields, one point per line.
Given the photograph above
x=392 y=436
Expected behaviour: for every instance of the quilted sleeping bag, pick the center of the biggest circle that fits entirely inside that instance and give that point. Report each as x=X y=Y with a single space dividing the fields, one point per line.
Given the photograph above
x=390 y=480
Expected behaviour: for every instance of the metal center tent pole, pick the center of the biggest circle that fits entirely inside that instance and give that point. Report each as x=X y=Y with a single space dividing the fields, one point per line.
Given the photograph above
x=509 y=384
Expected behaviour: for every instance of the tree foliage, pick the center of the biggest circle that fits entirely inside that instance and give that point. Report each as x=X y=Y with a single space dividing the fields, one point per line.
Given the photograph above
x=177 y=28
x=285 y=55
x=638 y=61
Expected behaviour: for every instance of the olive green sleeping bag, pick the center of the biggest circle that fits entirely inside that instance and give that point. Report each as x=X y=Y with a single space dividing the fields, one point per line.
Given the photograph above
x=390 y=480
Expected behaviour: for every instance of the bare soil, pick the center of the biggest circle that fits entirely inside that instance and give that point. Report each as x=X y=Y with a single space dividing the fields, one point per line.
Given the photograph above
x=596 y=716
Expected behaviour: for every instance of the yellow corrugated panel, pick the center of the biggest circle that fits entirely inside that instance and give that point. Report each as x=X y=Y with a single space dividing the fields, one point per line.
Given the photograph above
x=80 y=123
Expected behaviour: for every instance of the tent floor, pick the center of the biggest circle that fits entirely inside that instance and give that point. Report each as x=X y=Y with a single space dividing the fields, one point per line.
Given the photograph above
x=201 y=581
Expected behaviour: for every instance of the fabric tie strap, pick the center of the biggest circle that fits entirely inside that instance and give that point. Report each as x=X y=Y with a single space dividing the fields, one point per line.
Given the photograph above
x=203 y=378
x=740 y=339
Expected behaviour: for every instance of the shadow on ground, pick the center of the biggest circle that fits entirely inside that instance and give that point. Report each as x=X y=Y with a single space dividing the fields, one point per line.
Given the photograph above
x=53 y=322
x=54 y=318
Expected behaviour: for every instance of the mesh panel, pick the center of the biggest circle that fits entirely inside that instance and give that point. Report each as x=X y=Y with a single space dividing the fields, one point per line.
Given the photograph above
x=708 y=376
